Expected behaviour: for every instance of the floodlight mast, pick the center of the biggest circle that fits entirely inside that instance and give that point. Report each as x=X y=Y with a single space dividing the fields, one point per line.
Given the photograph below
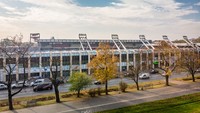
x=190 y=43
x=83 y=39
x=144 y=41
x=35 y=37
x=166 y=39
x=116 y=39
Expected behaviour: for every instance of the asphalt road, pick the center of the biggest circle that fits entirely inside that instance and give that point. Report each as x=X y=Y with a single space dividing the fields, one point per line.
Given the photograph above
x=65 y=87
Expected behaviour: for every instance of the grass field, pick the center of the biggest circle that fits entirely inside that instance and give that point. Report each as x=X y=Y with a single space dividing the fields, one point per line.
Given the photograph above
x=183 y=104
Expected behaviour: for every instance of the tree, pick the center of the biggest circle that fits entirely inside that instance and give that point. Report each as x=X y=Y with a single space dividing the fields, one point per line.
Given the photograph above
x=15 y=48
x=169 y=60
x=54 y=68
x=134 y=71
x=79 y=81
x=190 y=62
x=104 y=65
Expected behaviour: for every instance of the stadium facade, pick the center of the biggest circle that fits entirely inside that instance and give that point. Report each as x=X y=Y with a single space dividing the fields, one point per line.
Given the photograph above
x=75 y=54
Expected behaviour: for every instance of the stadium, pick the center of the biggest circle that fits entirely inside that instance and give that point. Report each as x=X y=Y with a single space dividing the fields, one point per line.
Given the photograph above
x=75 y=54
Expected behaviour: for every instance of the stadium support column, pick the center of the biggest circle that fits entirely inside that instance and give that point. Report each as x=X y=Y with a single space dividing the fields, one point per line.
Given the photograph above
x=61 y=64
x=4 y=71
x=152 y=64
x=89 y=62
x=134 y=61
x=140 y=60
x=51 y=64
x=17 y=68
x=29 y=67
x=127 y=61
x=80 y=62
x=120 y=61
x=70 y=67
x=159 y=60
x=147 y=59
x=40 y=60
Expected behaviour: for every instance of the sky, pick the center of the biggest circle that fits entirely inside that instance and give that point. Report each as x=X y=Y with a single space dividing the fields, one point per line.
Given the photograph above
x=65 y=19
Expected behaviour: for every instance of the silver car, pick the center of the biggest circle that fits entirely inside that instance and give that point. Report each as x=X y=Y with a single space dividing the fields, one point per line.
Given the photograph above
x=3 y=86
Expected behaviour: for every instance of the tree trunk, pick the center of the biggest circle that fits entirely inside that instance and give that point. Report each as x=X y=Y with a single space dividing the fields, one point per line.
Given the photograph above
x=78 y=94
x=167 y=80
x=106 y=87
x=57 y=93
x=193 y=79
x=10 y=102
x=137 y=85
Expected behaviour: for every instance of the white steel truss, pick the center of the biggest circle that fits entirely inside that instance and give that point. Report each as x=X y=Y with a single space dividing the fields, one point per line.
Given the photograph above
x=190 y=43
x=145 y=42
x=117 y=42
x=166 y=39
x=84 y=42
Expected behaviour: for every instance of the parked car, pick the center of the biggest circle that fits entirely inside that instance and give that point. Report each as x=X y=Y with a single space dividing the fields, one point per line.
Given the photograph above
x=3 y=86
x=144 y=76
x=43 y=86
x=97 y=82
x=153 y=71
x=19 y=84
x=36 y=82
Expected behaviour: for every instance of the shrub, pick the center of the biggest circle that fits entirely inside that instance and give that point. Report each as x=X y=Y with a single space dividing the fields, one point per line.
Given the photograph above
x=99 y=91
x=66 y=95
x=188 y=78
x=42 y=99
x=123 y=86
x=51 y=97
x=198 y=77
x=92 y=92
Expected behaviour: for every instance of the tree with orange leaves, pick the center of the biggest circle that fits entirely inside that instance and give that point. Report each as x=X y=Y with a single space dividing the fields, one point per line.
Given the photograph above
x=104 y=65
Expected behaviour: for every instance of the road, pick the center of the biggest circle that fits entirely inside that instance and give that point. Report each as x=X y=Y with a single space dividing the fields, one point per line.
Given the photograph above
x=100 y=103
x=65 y=87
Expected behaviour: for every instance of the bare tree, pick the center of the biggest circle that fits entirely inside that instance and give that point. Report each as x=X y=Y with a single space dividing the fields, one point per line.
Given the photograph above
x=190 y=62
x=135 y=70
x=54 y=68
x=169 y=60
x=14 y=52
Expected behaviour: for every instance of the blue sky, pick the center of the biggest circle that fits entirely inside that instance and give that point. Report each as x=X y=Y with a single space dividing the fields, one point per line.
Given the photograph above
x=100 y=18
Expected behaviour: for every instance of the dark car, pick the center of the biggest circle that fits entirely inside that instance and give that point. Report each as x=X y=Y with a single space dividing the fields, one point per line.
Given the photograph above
x=43 y=86
x=97 y=82
x=153 y=71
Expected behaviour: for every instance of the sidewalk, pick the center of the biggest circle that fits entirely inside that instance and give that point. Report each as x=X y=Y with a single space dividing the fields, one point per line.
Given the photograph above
x=100 y=103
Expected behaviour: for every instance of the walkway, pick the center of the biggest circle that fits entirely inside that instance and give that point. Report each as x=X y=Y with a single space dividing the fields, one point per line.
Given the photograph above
x=100 y=103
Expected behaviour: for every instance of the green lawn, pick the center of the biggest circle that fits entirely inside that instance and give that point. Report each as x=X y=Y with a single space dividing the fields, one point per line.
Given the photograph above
x=183 y=104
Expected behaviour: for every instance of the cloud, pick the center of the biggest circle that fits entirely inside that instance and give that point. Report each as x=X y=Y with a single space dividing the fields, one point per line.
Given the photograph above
x=128 y=18
x=6 y=7
x=198 y=4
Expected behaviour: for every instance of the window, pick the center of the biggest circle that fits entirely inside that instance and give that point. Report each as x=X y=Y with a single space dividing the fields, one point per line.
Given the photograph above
x=1 y=63
x=124 y=59
x=35 y=61
x=66 y=60
x=21 y=61
x=75 y=60
x=131 y=57
x=56 y=61
x=84 y=59
x=45 y=61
